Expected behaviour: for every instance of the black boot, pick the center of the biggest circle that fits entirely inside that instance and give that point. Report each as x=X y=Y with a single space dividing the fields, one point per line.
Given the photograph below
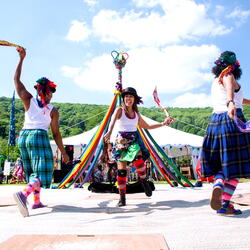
x=122 y=201
x=147 y=188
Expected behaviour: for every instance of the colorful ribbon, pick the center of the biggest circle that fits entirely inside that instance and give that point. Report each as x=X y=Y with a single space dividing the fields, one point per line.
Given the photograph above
x=225 y=72
x=242 y=126
x=120 y=59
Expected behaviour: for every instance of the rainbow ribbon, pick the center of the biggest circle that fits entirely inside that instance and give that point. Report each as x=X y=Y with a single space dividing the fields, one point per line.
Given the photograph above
x=165 y=157
x=91 y=148
x=154 y=156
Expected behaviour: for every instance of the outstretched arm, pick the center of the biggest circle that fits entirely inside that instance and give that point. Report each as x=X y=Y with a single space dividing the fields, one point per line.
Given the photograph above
x=114 y=118
x=24 y=95
x=57 y=135
x=143 y=124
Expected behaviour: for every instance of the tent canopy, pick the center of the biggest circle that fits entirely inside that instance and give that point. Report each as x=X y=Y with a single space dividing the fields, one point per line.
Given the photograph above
x=163 y=136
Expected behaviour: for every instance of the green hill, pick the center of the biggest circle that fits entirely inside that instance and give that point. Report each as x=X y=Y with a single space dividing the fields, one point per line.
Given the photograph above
x=77 y=118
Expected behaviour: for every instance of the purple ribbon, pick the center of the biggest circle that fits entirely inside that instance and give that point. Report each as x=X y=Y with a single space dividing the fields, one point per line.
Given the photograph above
x=242 y=126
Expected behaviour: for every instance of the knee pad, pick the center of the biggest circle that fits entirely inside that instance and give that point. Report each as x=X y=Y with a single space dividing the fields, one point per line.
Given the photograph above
x=122 y=173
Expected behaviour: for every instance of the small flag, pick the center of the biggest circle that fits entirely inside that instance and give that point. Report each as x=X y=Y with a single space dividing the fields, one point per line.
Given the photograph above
x=156 y=98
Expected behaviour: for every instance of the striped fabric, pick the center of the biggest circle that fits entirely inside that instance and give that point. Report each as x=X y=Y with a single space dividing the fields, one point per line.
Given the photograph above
x=225 y=148
x=37 y=155
x=140 y=168
x=122 y=181
x=229 y=189
x=219 y=180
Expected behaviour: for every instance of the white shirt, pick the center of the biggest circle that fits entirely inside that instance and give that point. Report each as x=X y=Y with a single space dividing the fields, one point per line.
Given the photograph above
x=127 y=124
x=36 y=117
x=219 y=97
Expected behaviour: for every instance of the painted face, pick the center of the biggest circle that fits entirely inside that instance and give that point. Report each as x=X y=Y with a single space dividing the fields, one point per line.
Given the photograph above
x=129 y=100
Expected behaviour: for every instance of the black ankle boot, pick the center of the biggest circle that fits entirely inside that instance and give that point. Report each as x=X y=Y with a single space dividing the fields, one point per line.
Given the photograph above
x=122 y=201
x=147 y=188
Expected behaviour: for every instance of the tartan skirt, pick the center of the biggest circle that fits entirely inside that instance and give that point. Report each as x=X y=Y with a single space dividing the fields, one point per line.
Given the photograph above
x=225 y=148
x=127 y=145
x=37 y=155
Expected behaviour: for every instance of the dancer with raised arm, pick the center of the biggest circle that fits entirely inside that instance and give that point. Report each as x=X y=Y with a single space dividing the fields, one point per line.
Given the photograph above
x=33 y=141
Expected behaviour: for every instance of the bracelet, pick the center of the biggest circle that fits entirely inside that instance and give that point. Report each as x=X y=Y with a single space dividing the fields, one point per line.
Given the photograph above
x=229 y=102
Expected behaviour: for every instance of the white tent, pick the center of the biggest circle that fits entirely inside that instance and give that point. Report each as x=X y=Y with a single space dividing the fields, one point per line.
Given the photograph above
x=167 y=135
x=163 y=136
x=78 y=140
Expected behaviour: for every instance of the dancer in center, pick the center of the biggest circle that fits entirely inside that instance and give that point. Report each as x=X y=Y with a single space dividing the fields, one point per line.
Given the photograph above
x=128 y=145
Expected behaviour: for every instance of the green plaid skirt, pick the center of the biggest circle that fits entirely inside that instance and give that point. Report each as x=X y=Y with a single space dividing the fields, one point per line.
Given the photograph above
x=37 y=155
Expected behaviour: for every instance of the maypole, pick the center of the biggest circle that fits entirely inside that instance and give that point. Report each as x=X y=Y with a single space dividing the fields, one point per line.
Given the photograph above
x=93 y=151
x=120 y=59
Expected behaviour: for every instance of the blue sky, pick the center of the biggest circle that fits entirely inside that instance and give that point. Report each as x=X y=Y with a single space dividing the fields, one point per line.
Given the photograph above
x=172 y=44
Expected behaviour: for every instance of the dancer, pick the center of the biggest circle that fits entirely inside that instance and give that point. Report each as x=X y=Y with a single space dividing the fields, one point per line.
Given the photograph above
x=33 y=141
x=226 y=151
x=128 y=145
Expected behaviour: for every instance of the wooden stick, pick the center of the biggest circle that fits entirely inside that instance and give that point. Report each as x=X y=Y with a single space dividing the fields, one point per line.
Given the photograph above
x=6 y=43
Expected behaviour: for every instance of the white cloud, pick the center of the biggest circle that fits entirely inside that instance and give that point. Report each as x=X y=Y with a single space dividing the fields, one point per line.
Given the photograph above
x=182 y=19
x=239 y=15
x=70 y=71
x=78 y=31
x=192 y=100
x=174 y=69
x=91 y=2
x=98 y=74
x=219 y=10
x=177 y=21
x=148 y=33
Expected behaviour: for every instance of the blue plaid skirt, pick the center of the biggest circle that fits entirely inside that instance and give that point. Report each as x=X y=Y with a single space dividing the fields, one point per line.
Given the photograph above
x=225 y=148
x=37 y=155
x=127 y=145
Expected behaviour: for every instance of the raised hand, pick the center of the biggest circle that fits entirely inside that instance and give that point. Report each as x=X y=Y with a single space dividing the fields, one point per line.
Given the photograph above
x=22 y=52
x=167 y=121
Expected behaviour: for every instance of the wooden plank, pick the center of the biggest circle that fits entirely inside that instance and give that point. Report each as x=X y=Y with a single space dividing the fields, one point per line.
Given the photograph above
x=7 y=201
x=241 y=199
x=97 y=242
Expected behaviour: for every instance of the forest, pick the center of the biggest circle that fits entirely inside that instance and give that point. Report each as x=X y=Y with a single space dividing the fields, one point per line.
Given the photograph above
x=77 y=118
